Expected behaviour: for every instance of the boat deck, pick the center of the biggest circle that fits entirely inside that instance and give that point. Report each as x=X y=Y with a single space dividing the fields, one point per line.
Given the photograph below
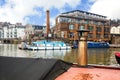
x=91 y=73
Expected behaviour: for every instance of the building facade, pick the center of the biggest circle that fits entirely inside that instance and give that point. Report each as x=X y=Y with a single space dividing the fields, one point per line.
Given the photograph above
x=68 y=23
x=33 y=30
x=115 y=34
x=11 y=31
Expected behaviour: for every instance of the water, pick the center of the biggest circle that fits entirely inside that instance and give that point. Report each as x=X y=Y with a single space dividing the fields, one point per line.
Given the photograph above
x=95 y=56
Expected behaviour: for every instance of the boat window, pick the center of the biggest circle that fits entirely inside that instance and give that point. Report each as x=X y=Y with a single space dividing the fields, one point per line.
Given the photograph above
x=33 y=45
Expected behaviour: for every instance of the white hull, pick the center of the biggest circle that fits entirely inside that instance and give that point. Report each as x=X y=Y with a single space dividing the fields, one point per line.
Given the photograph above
x=49 y=48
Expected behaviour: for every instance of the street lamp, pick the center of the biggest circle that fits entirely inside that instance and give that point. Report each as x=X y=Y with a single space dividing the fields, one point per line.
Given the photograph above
x=82 y=47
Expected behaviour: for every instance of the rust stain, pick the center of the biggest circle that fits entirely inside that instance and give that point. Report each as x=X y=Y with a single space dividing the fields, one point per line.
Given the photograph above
x=97 y=75
x=83 y=76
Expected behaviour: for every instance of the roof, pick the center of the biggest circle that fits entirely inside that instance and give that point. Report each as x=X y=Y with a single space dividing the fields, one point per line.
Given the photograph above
x=38 y=27
x=89 y=13
x=14 y=68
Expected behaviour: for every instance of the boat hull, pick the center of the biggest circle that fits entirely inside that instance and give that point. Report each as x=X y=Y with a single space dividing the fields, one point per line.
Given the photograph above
x=23 y=47
x=117 y=56
x=98 y=45
x=49 y=48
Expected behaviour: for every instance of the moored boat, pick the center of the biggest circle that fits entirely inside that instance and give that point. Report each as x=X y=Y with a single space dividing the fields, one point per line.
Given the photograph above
x=98 y=44
x=94 y=45
x=48 y=45
x=23 y=46
x=117 y=56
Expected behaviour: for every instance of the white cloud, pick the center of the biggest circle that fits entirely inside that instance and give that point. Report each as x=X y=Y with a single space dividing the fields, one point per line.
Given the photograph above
x=109 y=8
x=17 y=10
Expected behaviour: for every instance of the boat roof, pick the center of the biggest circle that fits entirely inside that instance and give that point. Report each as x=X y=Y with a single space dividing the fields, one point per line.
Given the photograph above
x=14 y=68
x=48 y=42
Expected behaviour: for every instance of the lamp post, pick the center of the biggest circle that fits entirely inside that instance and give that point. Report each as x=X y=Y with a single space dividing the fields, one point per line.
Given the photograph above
x=82 y=47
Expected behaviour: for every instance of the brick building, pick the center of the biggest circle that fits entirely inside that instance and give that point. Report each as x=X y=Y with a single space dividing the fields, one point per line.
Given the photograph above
x=68 y=23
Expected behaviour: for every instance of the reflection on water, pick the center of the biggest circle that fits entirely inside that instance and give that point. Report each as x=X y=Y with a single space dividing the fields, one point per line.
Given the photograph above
x=101 y=56
x=95 y=56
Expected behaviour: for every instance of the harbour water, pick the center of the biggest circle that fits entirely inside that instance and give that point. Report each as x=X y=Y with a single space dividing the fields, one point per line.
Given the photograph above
x=99 y=56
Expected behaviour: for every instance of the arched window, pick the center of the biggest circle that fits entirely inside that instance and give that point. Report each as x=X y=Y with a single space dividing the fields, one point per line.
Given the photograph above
x=113 y=30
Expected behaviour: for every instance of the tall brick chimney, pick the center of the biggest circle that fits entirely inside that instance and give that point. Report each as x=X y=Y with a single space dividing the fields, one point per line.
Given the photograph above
x=47 y=22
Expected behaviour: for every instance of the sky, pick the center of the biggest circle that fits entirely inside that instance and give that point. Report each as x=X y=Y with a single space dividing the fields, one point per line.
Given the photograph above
x=34 y=11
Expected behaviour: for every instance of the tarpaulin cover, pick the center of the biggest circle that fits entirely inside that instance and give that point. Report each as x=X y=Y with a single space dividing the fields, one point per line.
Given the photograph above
x=12 y=68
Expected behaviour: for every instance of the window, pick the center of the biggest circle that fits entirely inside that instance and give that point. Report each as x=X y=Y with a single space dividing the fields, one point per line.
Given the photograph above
x=90 y=35
x=90 y=28
x=81 y=27
x=106 y=36
x=80 y=21
x=15 y=32
x=0 y=34
x=98 y=29
x=69 y=20
x=71 y=35
x=62 y=19
x=71 y=26
x=98 y=36
x=96 y=23
x=62 y=34
x=106 y=29
x=86 y=22
x=15 y=36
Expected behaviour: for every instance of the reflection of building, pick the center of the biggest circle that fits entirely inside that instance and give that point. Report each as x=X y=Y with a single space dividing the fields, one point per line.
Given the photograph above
x=98 y=56
x=115 y=35
x=68 y=23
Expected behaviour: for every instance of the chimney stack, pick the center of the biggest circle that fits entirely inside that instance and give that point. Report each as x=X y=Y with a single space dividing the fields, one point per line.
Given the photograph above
x=47 y=22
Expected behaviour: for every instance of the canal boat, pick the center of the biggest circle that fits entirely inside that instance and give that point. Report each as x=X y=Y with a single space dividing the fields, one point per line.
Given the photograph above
x=23 y=46
x=94 y=45
x=98 y=44
x=48 y=45
x=117 y=56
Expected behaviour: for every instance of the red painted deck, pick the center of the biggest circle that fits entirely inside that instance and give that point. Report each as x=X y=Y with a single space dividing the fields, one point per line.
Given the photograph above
x=92 y=73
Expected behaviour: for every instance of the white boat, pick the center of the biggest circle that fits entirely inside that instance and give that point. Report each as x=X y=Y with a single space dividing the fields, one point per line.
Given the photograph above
x=23 y=46
x=48 y=45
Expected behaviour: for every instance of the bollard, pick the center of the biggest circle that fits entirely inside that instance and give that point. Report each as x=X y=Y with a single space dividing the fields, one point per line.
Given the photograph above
x=82 y=48
x=82 y=52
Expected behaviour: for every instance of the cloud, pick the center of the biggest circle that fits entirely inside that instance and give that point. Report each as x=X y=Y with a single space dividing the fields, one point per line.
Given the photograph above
x=18 y=10
x=109 y=8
